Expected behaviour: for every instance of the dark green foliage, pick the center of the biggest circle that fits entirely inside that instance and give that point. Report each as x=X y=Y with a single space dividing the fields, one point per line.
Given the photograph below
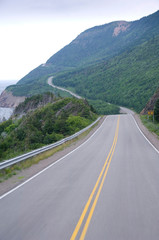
x=4 y=125
x=127 y=80
x=156 y=111
x=102 y=107
x=20 y=134
x=53 y=137
x=45 y=125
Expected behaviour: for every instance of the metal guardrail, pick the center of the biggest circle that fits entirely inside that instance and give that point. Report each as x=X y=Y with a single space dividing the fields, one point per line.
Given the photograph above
x=25 y=156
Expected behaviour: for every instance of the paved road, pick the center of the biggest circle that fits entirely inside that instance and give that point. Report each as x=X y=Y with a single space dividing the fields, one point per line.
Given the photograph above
x=107 y=189
x=126 y=110
x=62 y=89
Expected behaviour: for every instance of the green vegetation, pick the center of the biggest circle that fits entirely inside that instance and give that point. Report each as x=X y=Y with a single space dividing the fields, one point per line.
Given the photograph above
x=31 y=87
x=148 y=122
x=102 y=107
x=46 y=125
x=156 y=111
x=14 y=169
x=127 y=80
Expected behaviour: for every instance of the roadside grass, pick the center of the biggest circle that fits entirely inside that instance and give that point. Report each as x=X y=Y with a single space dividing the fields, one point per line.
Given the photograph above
x=16 y=168
x=148 y=122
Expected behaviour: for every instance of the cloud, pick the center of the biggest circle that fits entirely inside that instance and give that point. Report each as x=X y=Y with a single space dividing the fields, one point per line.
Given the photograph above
x=72 y=10
x=75 y=9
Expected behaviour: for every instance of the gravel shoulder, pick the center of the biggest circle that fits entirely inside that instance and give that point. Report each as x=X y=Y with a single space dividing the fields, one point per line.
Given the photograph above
x=152 y=137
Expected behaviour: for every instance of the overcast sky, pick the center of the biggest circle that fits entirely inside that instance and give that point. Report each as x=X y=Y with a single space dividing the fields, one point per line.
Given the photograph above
x=31 y=31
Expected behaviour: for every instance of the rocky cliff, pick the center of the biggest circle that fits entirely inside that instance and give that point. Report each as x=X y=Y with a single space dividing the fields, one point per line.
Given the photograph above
x=34 y=102
x=9 y=101
x=151 y=103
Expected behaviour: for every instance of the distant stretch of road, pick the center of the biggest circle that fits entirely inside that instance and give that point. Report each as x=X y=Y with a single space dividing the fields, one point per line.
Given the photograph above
x=108 y=188
x=63 y=89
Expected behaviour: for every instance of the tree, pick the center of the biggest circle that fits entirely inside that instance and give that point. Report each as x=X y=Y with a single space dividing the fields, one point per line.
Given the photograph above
x=156 y=111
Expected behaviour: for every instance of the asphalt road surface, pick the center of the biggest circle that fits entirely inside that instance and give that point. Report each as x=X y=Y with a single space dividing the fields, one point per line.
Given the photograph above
x=62 y=89
x=108 y=188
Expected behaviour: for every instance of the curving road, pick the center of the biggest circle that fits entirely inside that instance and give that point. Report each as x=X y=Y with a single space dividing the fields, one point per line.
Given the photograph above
x=62 y=89
x=108 y=188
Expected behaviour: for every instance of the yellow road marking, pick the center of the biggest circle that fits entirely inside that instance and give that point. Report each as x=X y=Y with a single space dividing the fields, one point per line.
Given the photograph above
x=97 y=196
x=94 y=189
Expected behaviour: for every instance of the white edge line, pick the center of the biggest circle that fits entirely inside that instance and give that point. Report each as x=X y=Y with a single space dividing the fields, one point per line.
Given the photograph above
x=14 y=189
x=144 y=135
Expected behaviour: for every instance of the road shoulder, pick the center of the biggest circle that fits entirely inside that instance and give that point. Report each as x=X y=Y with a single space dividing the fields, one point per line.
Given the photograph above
x=152 y=137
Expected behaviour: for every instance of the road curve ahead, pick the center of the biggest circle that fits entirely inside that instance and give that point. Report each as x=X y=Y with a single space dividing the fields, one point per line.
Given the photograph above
x=108 y=188
x=62 y=89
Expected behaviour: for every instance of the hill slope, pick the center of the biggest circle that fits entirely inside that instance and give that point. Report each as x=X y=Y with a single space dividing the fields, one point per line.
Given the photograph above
x=43 y=126
x=111 y=47
x=103 y=42
x=128 y=79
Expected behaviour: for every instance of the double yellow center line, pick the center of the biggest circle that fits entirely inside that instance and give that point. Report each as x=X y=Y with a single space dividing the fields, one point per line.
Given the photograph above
x=100 y=180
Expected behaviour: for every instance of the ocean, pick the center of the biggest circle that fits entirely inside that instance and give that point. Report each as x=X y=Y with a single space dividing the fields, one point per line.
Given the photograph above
x=5 y=113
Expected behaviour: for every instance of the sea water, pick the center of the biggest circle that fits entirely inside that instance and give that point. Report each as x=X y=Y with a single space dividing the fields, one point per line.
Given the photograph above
x=5 y=113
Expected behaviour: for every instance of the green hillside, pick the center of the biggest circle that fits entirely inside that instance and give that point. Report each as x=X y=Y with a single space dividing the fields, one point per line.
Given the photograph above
x=128 y=79
x=43 y=126
x=115 y=63
x=103 y=42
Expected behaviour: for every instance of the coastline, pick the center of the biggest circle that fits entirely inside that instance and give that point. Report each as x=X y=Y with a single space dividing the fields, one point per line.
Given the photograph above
x=5 y=112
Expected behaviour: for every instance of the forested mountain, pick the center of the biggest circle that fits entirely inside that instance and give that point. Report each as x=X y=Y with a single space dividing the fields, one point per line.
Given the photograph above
x=128 y=79
x=103 y=42
x=115 y=62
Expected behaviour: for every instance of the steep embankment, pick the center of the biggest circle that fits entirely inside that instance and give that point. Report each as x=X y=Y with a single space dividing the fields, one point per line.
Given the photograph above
x=8 y=100
x=35 y=102
x=151 y=103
